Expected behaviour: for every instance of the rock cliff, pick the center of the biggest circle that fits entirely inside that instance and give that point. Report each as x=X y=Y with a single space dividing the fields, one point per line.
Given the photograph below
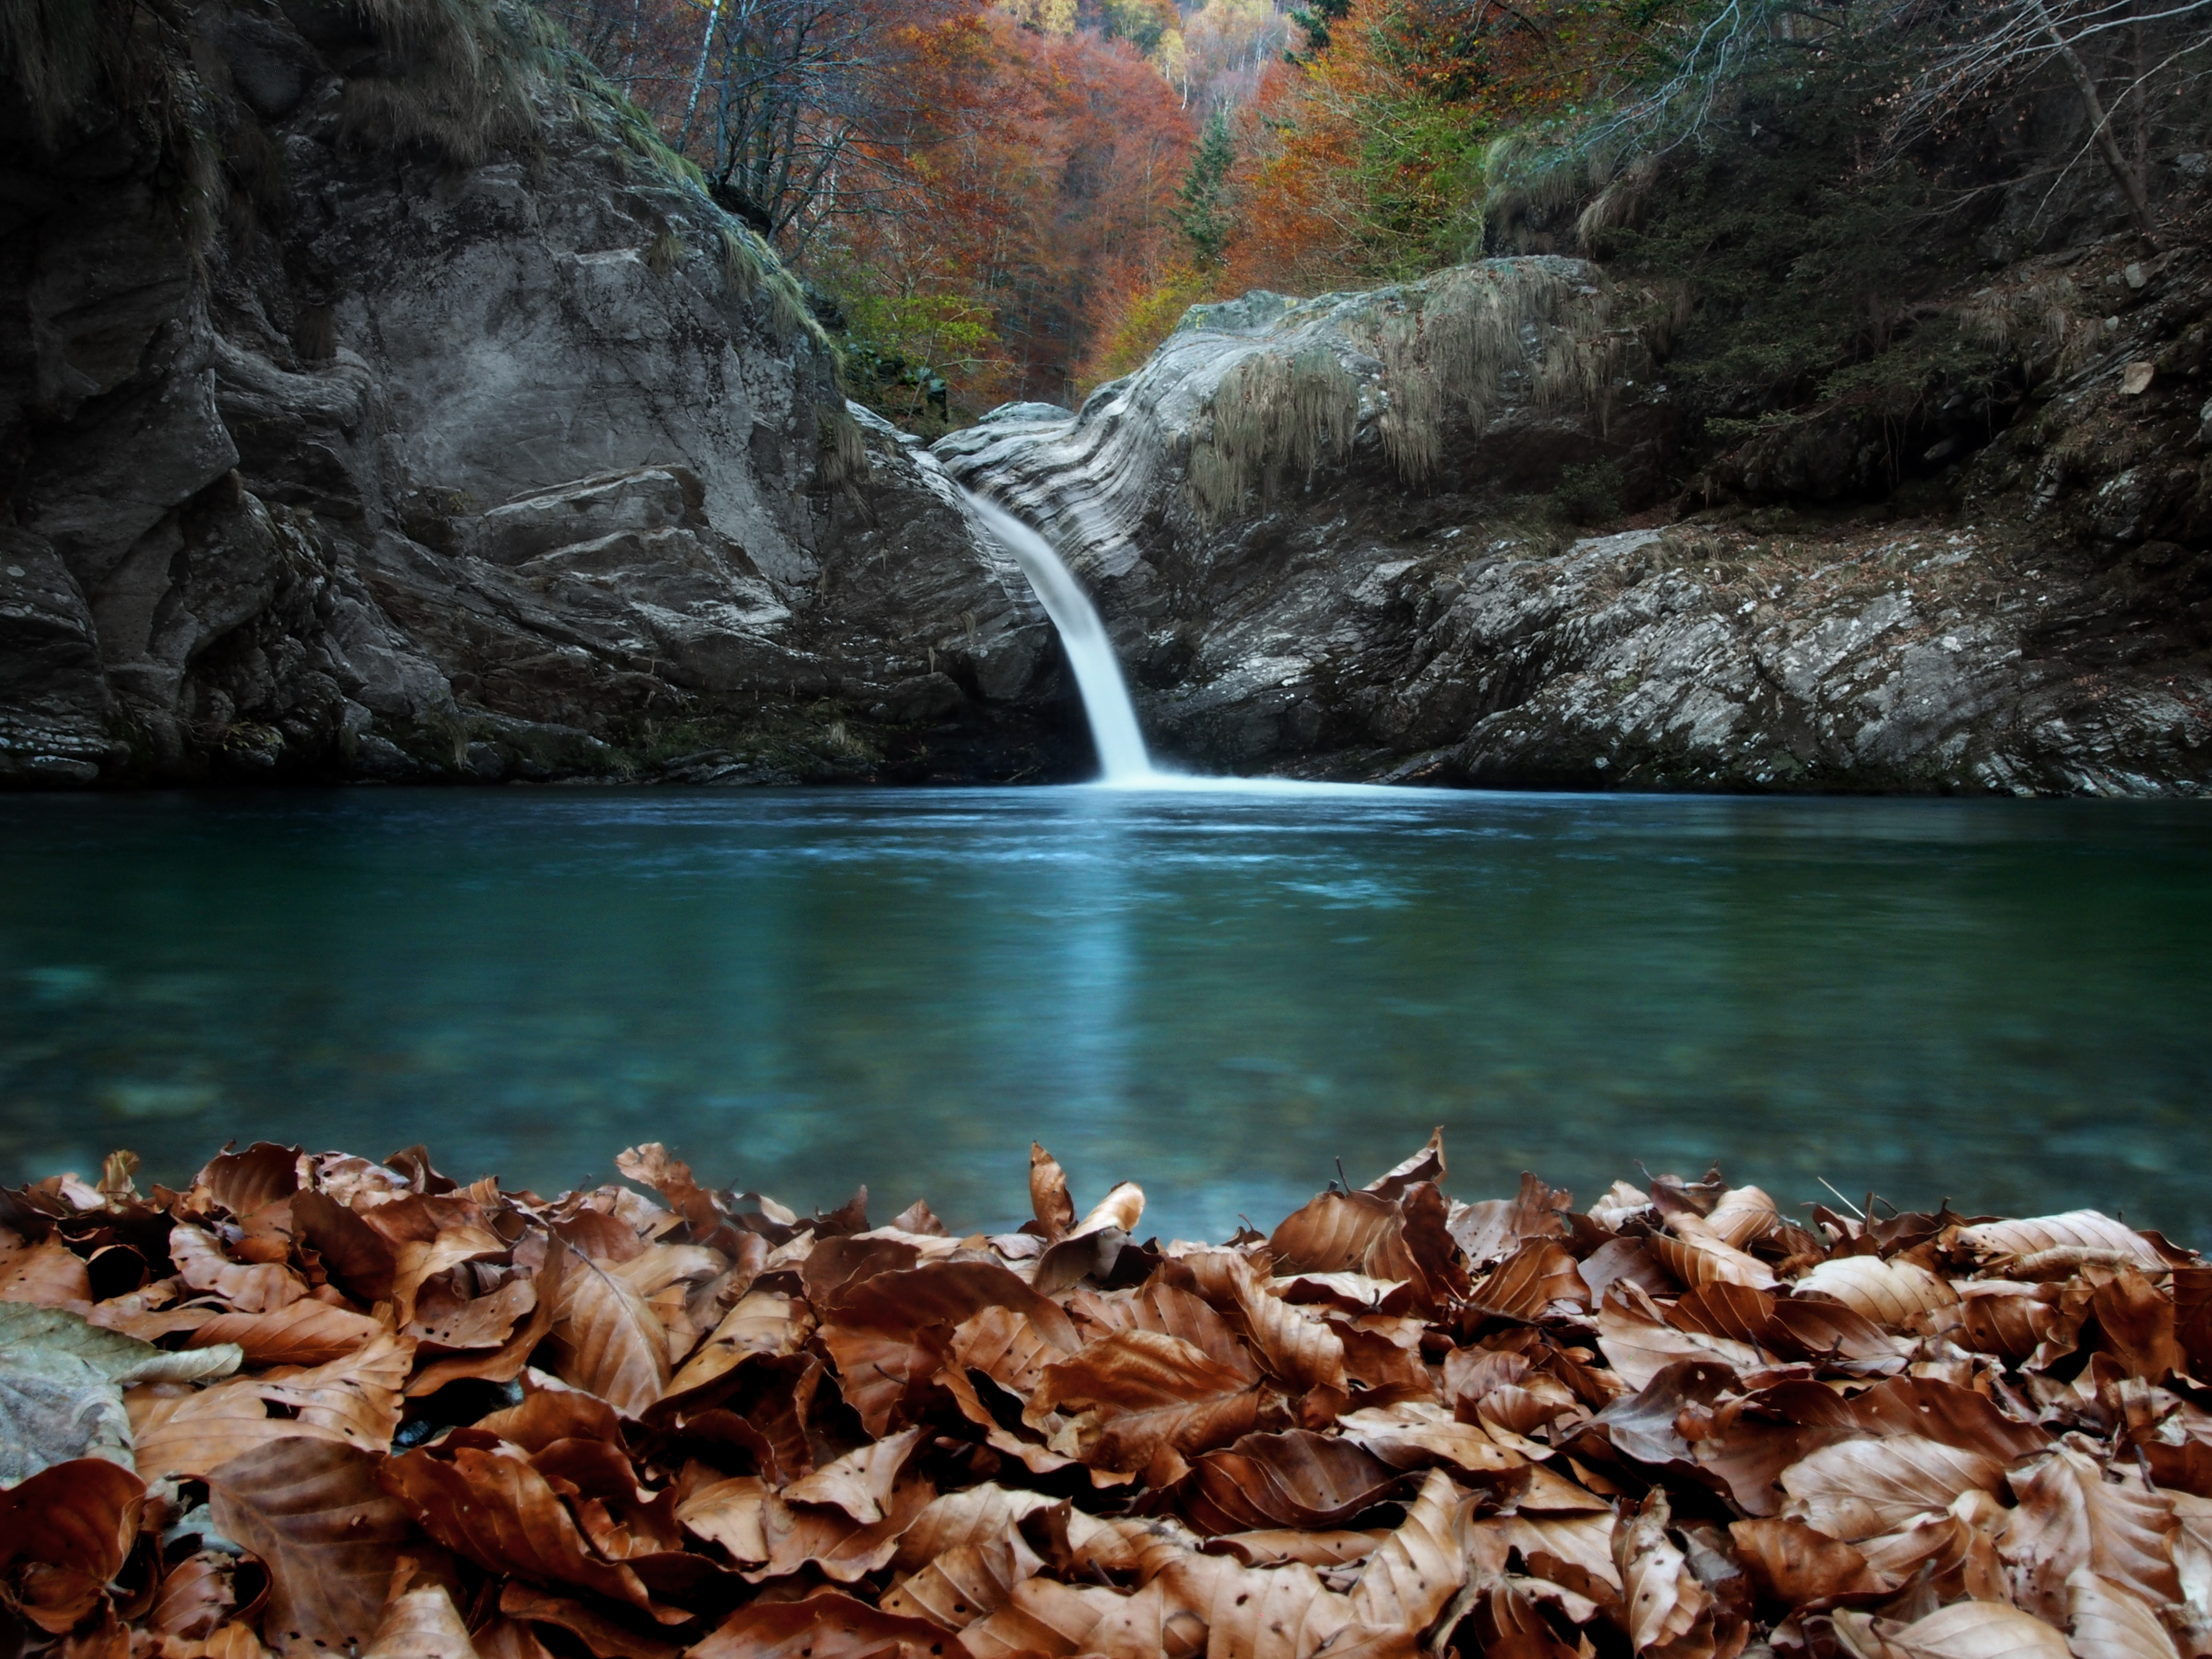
x=349 y=439
x=1332 y=539
x=380 y=399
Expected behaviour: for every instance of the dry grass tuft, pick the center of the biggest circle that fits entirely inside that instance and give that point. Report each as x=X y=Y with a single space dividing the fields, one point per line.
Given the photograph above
x=459 y=79
x=1273 y=414
x=664 y=252
x=843 y=463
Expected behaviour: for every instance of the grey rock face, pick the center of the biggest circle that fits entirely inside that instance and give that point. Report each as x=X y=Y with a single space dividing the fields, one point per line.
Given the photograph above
x=1335 y=617
x=514 y=470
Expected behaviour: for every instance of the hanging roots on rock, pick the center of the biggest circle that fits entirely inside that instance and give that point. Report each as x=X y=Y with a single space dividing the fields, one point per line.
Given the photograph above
x=313 y=1403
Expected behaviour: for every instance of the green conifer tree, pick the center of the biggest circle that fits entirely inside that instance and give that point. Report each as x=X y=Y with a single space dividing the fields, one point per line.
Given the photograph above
x=1204 y=216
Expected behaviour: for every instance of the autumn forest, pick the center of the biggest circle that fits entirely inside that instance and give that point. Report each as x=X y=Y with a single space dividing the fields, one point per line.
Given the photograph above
x=1017 y=199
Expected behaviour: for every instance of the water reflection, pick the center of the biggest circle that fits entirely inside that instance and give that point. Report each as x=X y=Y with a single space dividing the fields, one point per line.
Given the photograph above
x=1217 y=994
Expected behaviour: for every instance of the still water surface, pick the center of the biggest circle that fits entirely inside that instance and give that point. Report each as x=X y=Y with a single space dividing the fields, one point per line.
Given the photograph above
x=1217 y=994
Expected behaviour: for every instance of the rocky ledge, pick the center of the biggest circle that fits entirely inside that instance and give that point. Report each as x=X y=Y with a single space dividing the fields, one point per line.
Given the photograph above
x=427 y=462
x=1334 y=538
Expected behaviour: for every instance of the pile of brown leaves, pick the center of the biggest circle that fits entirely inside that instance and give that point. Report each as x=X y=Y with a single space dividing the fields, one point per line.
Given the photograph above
x=371 y=1410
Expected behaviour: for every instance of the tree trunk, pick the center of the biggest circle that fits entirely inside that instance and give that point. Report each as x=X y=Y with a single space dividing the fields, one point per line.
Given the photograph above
x=2108 y=147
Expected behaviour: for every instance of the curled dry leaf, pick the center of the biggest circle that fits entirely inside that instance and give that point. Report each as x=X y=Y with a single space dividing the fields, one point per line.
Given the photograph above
x=315 y=1516
x=1791 y=1564
x=966 y=1583
x=352 y=1401
x=1049 y=1196
x=421 y=1624
x=2089 y=1236
x=2069 y=1517
x=826 y=1626
x=1043 y=1616
x=610 y=1342
x=1294 y=1480
x=303 y=1333
x=1417 y=1434
x=1857 y=1488
x=1894 y=1293
x=1639 y=1343
x=858 y=1483
x=488 y=1503
x=1142 y=1390
x=1661 y=1597
x=2107 y=1622
x=1978 y=1630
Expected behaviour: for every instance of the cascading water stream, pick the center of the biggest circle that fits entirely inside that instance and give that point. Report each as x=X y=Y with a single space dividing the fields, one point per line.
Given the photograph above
x=1121 y=745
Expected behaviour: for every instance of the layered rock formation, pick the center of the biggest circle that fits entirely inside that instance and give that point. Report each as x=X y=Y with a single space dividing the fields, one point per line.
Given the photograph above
x=454 y=453
x=401 y=410
x=1330 y=538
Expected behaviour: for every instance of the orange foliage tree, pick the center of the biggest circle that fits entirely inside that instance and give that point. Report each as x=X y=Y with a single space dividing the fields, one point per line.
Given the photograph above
x=1374 y=158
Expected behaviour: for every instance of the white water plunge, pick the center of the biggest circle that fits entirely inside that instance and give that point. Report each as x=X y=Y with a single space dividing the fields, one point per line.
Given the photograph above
x=1121 y=745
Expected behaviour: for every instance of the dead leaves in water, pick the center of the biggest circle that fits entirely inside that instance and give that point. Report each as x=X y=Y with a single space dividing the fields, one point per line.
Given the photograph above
x=370 y=1409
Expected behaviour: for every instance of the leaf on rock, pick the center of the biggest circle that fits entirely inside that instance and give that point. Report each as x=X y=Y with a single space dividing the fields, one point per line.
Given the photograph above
x=313 y=1514
x=1857 y=1488
x=61 y=1384
x=81 y=1515
x=354 y=1400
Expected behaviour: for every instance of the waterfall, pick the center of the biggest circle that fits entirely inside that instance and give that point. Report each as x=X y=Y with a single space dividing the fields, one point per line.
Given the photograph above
x=1121 y=745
